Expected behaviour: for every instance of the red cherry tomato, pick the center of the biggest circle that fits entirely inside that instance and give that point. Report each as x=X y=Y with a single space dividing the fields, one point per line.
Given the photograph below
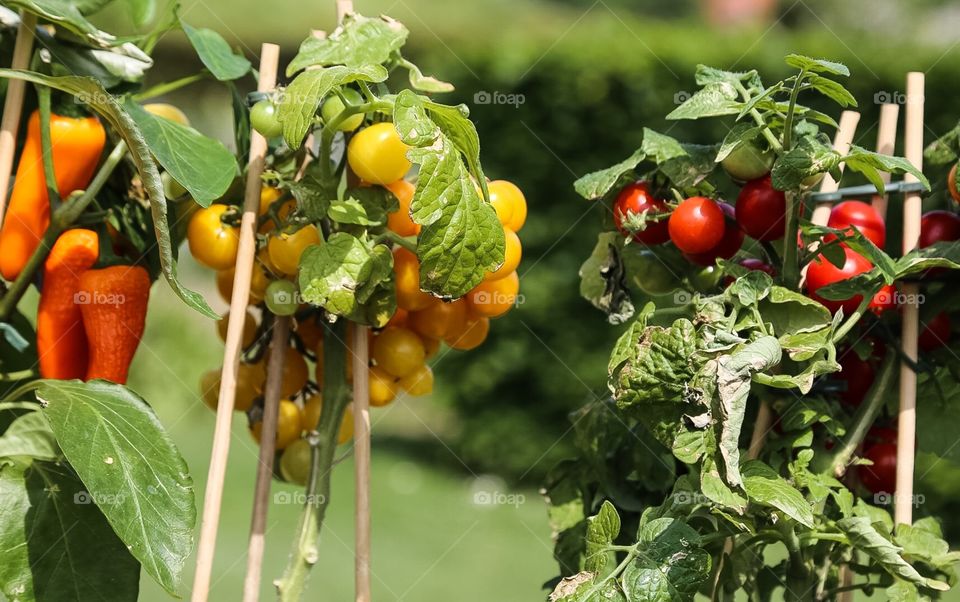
x=881 y=477
x=821 y=272
x=636 y=198
x=762 y=209
x=857 y=374
x=880 y=434
x=861 y=216
x=935 y=333
x=938 y=226
x=697 y=225
x=884 y=300
x=728 y=246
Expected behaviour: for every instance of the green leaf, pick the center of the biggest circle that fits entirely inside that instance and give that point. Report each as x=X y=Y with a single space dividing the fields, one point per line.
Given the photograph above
x=943 y=150
x=55 y=543
x=597 y=184
x=313 y=192
x=583 y=587
x=734 y=375
x=131 y=468
x=944 y=254
x=767 y=488
x=670 y=566
x=685 y=164
x=65 y=14
x=869 y=163
x=332 y=272
x=425 y=83
x=202 y=165
x=740 y=133
x=462 y=238
x=713 y=487
x=806 y=63
x=790 y=312
x=363 y=206
x=865 y=538
x=808 y=158
x=300 y=101
x=602 y=280
x=713 y=100
x=358 y=41
x=832 y=90
x=216 y=54
x=690 y=446
x=602 y=530
x=142 y=11
x=107 y=106
x=29 y=435
x=711 y=75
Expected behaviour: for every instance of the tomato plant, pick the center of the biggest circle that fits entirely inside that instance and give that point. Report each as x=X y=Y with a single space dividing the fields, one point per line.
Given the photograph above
x=792 y=511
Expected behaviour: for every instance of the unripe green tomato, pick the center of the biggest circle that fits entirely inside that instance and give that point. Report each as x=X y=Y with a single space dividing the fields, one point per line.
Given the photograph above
x=748 y=161
x=295 y=462
x=648 y=272
x=705 y=280
x=172 y=189
x=263 y=118
x=281 y=297
x=334 y=105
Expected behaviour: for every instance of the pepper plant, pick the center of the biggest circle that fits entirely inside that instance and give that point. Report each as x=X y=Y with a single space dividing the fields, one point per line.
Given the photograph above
x=673 y=494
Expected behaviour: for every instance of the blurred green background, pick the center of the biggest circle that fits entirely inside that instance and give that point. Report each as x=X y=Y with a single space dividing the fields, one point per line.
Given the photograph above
x=585 y=78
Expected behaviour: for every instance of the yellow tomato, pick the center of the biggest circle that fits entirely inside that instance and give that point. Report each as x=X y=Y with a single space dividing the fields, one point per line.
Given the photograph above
x=512 y=251
x=471 y=336
x=289 y=424
x=399 y=221
x=312 y=408
x=249 y=386
x=439 y=319
x=377 y=155
x=210 y=388
x=509 y=203
x=383 y=387
x=431 y=346
x=310 y=332
x=249 y=328
x=495 y=297
x=418 y=382
x=213 y=243
x=398 y=351
x=268 y=194
x=285 y=248
x=406 y=269
x=167 y=111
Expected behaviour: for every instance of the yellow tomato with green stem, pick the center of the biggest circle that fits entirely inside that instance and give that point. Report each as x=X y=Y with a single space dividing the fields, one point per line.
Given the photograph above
x=212 y=242
x=378 y=155
x=285 y=248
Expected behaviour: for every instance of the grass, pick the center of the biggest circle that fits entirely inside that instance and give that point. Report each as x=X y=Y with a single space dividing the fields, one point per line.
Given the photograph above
x=431 y=541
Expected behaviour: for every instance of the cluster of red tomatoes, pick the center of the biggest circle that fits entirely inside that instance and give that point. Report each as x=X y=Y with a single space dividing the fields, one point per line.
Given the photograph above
x=399 y=351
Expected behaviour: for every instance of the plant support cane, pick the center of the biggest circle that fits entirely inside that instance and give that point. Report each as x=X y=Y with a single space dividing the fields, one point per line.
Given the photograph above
x=907 y=421
x=269 y=59
x=268 y=440
x=13 y=104
x=841 y=143
x=886 y=139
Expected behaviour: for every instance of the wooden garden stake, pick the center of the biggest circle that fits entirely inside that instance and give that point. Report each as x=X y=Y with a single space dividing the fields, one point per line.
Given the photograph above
x=269 y=60
x=907 y=422
x=268 y=439
x=886 y=138
x=13 y=105
x=821 y=213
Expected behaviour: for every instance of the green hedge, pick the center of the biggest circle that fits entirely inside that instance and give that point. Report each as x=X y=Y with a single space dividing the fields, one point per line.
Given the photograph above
x=587 y=97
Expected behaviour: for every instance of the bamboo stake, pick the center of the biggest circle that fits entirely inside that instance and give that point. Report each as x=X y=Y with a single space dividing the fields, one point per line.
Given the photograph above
x=841 y=143
x=268 y=440
x=886 y=139
x=361 y=458
x=269 y=60
x=13 y=104
x=907 y=423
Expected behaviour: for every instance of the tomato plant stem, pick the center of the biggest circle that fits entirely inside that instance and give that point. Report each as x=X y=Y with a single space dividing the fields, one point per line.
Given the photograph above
x=62 y=218
x=167 y=87
x=866 y=414
x=791 y=264
x=791 y=111
x=46 y=148
x=323 y=443
x=408 y=243
x=758 y=118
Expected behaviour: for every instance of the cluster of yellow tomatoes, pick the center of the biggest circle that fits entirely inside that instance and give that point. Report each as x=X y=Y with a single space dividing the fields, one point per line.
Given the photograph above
x=399 y=351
